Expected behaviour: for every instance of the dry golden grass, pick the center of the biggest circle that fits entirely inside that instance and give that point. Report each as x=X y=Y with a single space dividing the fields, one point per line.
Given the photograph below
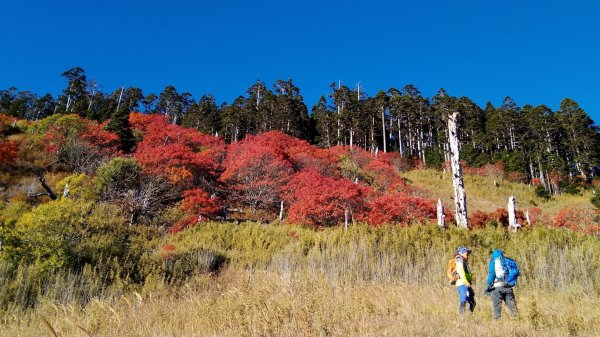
x=261 y=303
x=292 y=281
x=483 y=195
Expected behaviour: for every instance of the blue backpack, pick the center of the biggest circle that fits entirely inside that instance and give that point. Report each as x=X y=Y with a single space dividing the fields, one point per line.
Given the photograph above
x=513 y=271
x=510 y=269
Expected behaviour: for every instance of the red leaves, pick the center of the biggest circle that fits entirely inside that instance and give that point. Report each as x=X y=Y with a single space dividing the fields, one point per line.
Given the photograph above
x=198 y=204
x=323 y=201
x=385 y=177
x=495 y=170
x=72 y=127
x=480 y=219
x=578 y=219
x=183 y=155
x=257 y=169
x=400 y=208
x=8 y=151
x=167 y=251
x=96 y=135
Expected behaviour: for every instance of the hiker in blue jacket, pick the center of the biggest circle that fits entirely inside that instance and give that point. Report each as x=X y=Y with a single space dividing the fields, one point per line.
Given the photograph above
x=502 y=277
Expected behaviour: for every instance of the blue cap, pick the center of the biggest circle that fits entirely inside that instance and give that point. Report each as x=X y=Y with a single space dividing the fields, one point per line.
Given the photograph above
x=462 y=250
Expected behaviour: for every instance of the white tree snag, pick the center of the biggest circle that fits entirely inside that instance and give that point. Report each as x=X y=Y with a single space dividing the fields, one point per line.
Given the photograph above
x=528 y=218
x=512 y=218
x=281 y=211
x=440 y=214
x=383 y=130
x=460 y=195
x=346 y=220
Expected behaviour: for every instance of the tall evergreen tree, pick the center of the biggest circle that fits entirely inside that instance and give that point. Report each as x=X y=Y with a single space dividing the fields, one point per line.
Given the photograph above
x=204 y=116
x=75 y=97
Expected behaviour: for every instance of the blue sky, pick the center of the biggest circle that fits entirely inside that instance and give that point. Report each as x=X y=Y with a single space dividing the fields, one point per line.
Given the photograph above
x=537 y=52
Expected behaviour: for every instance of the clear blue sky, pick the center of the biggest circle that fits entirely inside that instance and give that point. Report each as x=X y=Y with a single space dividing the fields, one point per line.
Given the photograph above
x=537 y=52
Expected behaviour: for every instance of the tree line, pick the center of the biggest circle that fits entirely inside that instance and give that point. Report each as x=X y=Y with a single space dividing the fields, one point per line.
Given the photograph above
x=533 y=141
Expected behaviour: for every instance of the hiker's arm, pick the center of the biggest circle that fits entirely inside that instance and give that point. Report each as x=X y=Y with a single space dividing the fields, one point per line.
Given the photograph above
x=491 y=273
x=460 y=269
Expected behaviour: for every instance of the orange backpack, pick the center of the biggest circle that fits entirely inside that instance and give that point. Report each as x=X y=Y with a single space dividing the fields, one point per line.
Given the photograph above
x=451 y=271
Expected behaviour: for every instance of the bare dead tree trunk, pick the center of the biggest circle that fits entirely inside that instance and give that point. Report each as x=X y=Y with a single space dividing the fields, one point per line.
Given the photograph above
x=42 y=180
x=400 y=139
x=346 y=220
x=512 y=218
x=440 y=214
x=339 y=124
x=281 y=211
x=531 y=171
x=372 y=133
x=383 y=130
x=120 y=98
x=460 y=195
x=542 y=178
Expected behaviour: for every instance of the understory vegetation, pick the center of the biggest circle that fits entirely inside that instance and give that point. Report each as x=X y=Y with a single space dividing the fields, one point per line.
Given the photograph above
x=254 y=280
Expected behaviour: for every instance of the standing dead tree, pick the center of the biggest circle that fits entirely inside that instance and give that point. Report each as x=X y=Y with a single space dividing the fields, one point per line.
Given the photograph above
x=40 y=174
x=460 y=195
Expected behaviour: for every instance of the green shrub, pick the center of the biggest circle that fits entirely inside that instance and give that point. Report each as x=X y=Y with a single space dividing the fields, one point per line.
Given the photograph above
x=541 y=192
x=77 y=186
x=595 y=200
x=570 y=187
x=117 y=176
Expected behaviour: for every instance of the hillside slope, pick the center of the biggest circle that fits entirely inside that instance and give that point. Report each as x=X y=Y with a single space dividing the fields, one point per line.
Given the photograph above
x=483 y=195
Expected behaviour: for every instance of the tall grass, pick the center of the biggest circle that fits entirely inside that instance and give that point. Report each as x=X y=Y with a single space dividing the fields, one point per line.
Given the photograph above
x=553 y=259
x=274 y=280
x=260 y=303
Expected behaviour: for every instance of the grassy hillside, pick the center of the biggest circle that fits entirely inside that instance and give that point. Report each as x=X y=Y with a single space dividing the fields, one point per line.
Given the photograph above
x=290 y=281
x=483 y=195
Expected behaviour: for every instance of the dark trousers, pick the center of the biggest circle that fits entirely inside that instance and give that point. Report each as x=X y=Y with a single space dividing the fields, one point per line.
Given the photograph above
x=507 y=295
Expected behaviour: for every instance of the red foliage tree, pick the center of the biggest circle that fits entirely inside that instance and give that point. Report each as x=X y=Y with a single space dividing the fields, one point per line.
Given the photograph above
x=96 y=135
x=535 y=215
x=167 y=251
x=401 y=164
x=257 y=169
x=185 y=156
x=8 y=151
x=501 y=216
x=384 y=176
x=72 y=128
x=324 y=201
x=577 y=218
x=401 y=208
x=480 y=219
x=198 y=204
